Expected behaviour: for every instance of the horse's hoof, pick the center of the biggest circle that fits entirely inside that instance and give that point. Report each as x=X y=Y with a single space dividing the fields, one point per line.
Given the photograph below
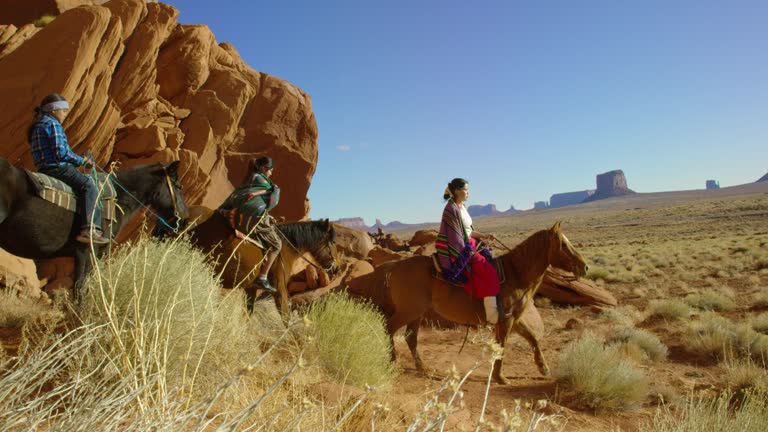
x=544 y=370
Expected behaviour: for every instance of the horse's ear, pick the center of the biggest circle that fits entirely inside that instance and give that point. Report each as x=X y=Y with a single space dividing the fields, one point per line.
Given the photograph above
x=173 y=169
x=327 y=224
x=556 y=227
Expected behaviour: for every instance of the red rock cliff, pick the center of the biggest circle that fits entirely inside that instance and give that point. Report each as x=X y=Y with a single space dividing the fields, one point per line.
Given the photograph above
x=145 y=88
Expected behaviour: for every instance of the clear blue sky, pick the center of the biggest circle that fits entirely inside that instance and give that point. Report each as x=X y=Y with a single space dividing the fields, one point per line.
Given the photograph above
x=523 y=99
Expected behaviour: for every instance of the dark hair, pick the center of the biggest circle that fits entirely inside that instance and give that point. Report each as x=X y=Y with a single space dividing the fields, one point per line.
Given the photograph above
x=262 y=162
x=53 y=97
x=457 y=183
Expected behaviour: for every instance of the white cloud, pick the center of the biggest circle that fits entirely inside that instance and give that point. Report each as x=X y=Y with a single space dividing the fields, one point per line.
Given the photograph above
x=343 y=148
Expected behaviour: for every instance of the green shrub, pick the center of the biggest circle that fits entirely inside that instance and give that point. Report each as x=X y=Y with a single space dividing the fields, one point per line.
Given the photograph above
x=352 y=341
x=718 y=337
x=600 y=376
x=648 y=342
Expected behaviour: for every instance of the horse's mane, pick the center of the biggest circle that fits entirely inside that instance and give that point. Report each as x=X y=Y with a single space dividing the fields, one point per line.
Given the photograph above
x=530 y=248
x=307 y=235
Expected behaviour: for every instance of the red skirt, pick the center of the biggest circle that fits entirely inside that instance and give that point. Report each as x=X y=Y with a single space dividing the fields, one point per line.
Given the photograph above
x=483 y=279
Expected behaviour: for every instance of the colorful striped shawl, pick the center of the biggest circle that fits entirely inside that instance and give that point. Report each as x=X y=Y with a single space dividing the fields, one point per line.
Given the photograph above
x=452 y=244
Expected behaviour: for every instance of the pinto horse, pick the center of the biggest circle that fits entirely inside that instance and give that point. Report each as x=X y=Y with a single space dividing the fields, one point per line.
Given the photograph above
x=410 y=290
x=238 y=260
x=31 y=227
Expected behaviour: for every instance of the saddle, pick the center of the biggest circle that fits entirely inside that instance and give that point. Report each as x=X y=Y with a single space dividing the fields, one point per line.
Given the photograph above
x=437 y=271
x=61 y=194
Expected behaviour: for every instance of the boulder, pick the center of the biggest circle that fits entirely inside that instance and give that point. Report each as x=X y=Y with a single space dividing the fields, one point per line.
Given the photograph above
x=380 y=255
x=352 y=242
x=423 y=237
x=19 y=274
x=561 y=287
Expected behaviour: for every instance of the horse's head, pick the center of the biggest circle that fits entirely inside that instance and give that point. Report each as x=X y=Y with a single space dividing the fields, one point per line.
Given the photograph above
x=167 y=199
x=563 y=255
x=325 y=252
x=316 y=237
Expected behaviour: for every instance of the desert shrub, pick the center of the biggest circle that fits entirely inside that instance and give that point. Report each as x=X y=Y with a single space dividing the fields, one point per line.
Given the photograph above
x=760 y=323
x=647 y=342
x=710 y=300
x=761 y=298
x=718 y=337
x=44 y=20
x=15 y=311
x=352 y=341
x=626 y=315
x=596 y=273
x=161 y=302
x=599 y=375
x=672 y=309
x=713 y=414
x=741 y=374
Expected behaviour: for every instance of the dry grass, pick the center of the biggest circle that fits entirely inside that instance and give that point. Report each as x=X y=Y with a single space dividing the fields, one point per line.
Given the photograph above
x=710 y=300
x=716 y=336
x=715 y=414
x=760 y=323
x=671 y=309
x=15 y=311
x=743 y=374
x=44 y=20
x=600 y=376
x=649 y=345
x=626 y=315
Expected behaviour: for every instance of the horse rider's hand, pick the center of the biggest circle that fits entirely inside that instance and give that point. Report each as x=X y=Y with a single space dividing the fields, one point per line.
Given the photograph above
x=88 y=163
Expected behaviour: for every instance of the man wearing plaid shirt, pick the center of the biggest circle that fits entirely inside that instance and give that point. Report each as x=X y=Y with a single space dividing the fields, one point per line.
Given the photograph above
x=54 y=157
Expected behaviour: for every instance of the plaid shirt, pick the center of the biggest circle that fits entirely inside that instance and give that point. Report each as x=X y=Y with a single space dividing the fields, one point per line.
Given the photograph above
x=49 y=144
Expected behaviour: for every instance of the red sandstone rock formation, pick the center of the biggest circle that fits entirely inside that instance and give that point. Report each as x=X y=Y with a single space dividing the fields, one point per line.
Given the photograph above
x=145 y=88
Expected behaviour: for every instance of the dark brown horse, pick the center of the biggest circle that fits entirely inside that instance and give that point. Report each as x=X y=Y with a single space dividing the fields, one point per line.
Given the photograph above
x=239 y=260
x=409 y=290
x=31 y=227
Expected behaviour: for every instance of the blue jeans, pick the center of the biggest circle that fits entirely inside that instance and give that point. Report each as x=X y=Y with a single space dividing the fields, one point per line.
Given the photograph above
x=85 y=190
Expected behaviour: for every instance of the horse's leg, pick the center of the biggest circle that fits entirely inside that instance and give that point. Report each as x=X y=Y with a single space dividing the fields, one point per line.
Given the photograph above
x=394 y=323
x=523 y=330
x=412 y=337
x=83 y=267
x=502 y=331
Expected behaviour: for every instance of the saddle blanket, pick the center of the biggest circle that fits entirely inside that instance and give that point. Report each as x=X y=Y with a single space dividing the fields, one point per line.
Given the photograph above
x=57 y=192
x=437 y=271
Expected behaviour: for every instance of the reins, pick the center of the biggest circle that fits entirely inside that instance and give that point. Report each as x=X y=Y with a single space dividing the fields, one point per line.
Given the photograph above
x=149 y=210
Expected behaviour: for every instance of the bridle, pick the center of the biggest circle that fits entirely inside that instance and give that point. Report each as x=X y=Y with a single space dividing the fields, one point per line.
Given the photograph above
x=329 y=245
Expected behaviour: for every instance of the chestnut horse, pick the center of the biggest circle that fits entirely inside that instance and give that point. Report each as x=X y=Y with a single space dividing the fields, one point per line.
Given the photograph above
x=410 y=290
x=239 y=260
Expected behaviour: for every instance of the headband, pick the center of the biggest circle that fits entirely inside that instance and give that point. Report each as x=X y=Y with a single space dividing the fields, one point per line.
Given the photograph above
x=53 y=106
